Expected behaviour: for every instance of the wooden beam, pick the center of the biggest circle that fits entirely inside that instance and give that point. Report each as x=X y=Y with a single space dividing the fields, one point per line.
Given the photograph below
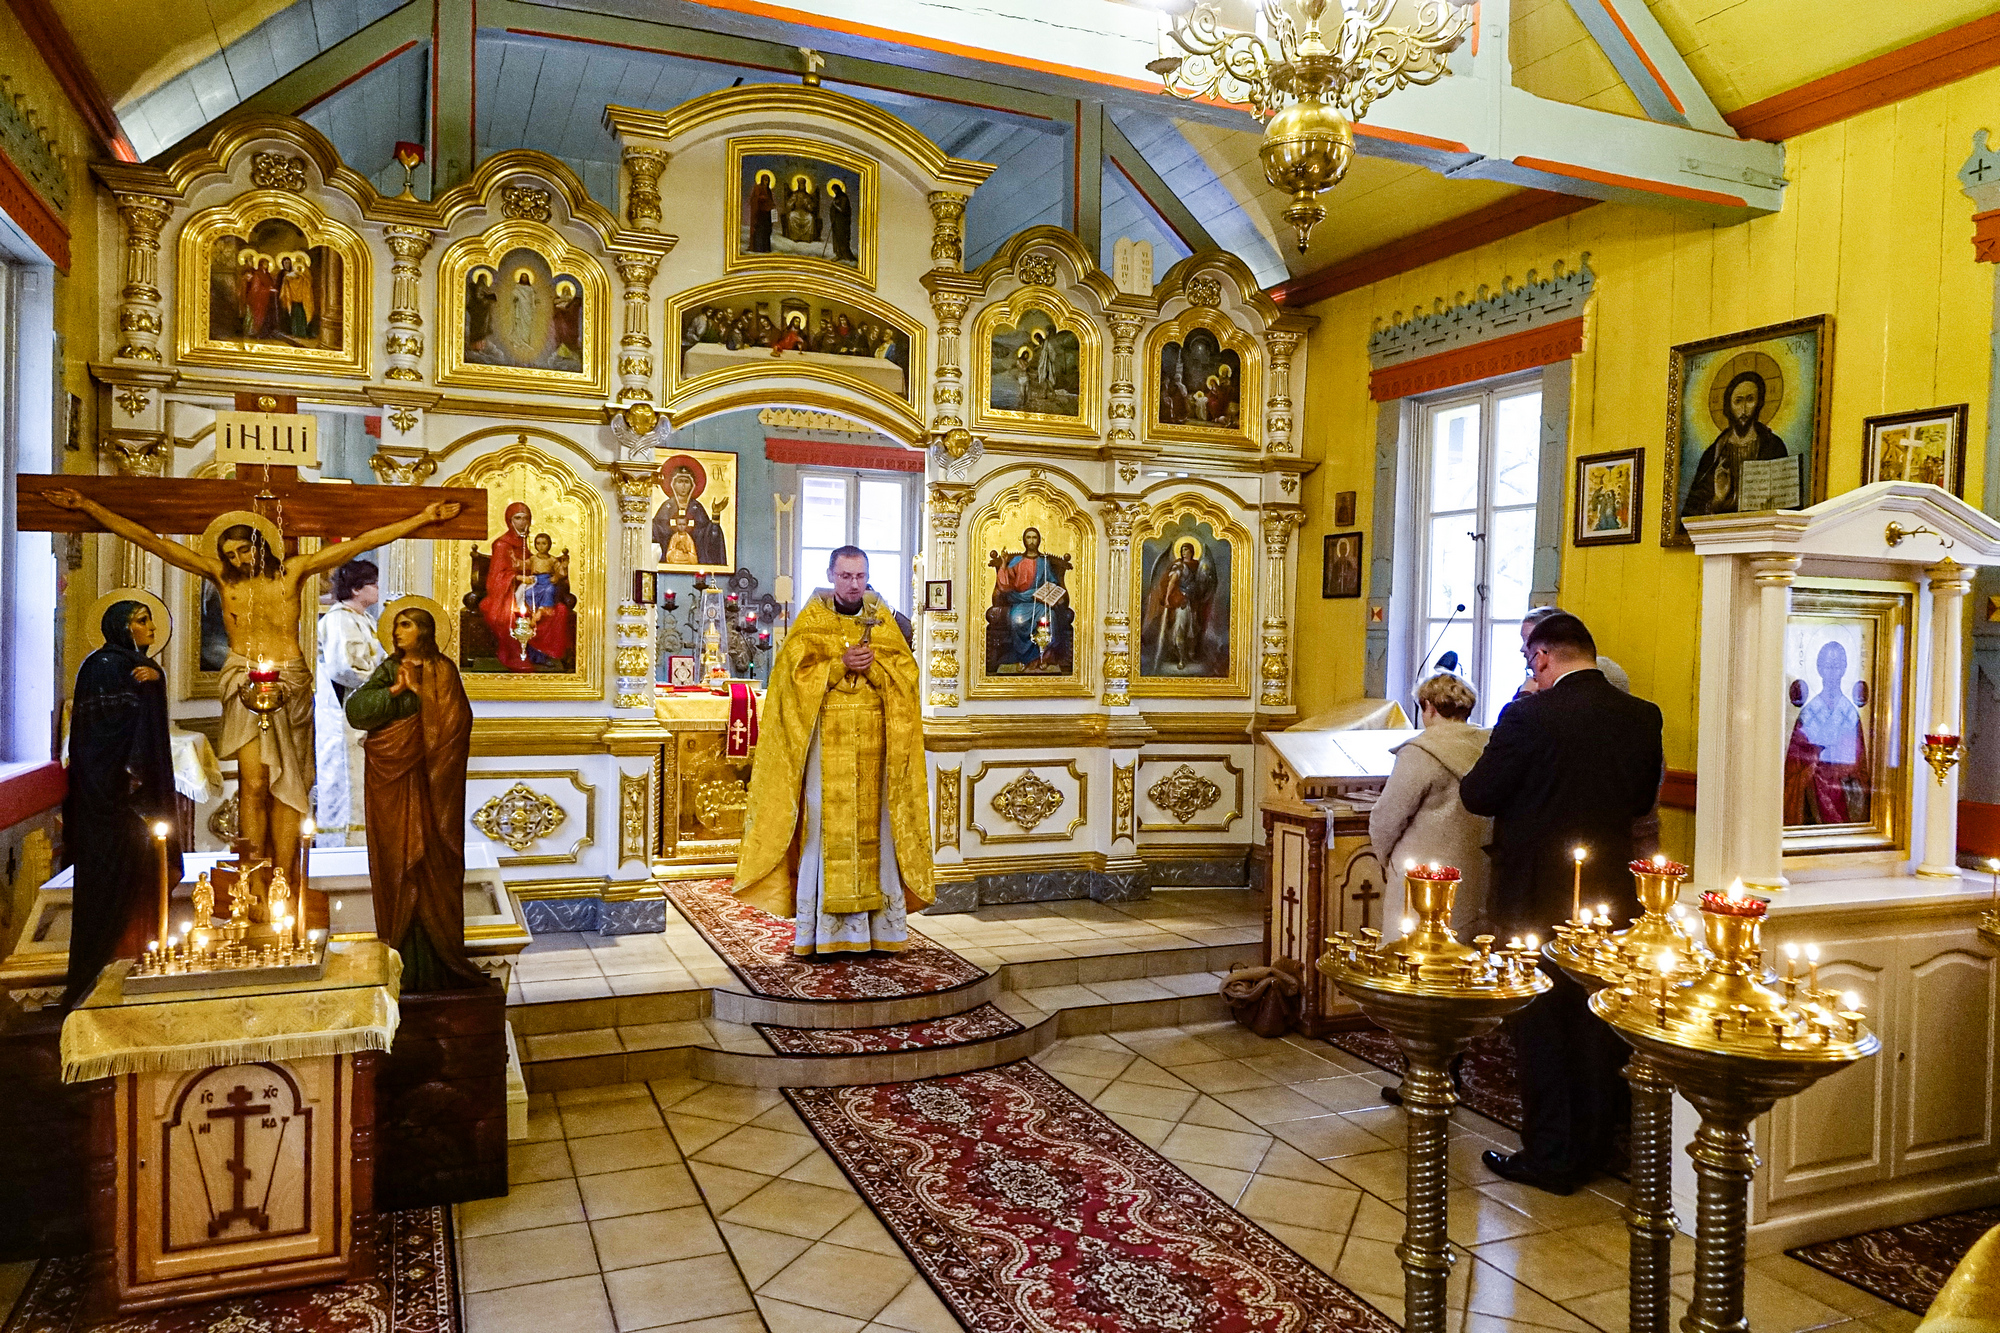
x=190 y=504
x=1903 y=73
x=1087 y=183
x=454 y=93
x=65 y=62
x=21 y=201
x=1509 y=217
x=1132 y=164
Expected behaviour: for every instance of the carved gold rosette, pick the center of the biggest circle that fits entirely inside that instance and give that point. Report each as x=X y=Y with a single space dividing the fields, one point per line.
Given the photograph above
x=1027 y=801
x=1184 y=794
x=519 y=817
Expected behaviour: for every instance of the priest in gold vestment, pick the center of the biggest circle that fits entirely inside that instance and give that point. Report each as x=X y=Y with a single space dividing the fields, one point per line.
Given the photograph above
x=837 y=832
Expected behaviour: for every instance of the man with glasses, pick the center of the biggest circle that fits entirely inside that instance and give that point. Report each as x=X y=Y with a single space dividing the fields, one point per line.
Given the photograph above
x=1571 y=765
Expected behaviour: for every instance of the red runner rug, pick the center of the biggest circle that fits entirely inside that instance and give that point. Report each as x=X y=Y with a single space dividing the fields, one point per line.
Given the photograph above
x=758 y=948
x=1905 y=1265
x=1489 y=1083
x=1029 y=1211
x=934 y=1034
x=417 y=1292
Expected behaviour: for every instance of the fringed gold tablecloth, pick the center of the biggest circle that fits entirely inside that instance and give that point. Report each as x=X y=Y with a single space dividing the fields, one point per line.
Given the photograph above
x=352 y=1007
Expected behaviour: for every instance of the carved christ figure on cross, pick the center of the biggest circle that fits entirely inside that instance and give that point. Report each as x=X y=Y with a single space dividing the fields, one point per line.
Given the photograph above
x=260 y=592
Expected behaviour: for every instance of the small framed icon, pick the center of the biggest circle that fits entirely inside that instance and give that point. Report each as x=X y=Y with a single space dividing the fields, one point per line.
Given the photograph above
x=1343 y=509
x=681 y=672
x=937 y=594
x=645 y=587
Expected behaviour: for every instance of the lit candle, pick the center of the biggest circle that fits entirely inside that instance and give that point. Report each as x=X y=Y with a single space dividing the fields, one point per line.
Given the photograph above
x=1659 y=860
x=1534 y=943
x=160 y=850
x=1812 y=967
x=1409 y=924
x=1791 y=962
x=1576 y=885
x=1993 y=865
x=1735 y=893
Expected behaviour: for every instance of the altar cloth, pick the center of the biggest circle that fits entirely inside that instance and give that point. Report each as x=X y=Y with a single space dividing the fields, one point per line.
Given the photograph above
x=352 y=1007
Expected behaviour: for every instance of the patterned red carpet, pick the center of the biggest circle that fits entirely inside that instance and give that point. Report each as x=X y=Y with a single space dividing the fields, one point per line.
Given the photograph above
x=1903 y=1265
x=981 y=1024
x=1031 y=1212
x=1491 y=1086
x=417 y=1293
x=758 y=948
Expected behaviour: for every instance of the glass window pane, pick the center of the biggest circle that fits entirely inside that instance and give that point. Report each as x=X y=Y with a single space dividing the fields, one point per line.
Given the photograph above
x=880 y=523
x=1512 y=539
x=889 y=575
x=812 y=571
x=822 y=511
x=1517 y=448
x=1453 y=570
x=1457 y=639
x=1505 y=670
x=1455 y=457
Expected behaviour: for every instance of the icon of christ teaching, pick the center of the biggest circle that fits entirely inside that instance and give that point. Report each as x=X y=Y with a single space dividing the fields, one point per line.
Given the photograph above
x=260 y=591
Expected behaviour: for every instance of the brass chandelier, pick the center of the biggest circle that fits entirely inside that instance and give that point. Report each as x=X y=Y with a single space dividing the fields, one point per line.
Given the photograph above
x=1308 y=93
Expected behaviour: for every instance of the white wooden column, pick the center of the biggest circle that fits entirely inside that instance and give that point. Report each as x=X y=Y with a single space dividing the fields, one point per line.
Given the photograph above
x=1761 y=854
x=1949 y=581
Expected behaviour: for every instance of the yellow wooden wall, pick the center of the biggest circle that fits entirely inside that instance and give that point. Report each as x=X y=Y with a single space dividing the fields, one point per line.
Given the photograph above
x=1874 y=232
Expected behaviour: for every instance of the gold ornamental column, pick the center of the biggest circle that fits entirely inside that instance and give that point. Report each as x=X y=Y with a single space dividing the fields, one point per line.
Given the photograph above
x=947 y=231
x=139 y=321
x=1124 y=406
x=642 y=188
x=1119 y=518
x=1434 y=995
x=404 y=342
x=636 y=639
x=947 y=505
x=1276 y=659
x=635 y=348
x=1279 y=344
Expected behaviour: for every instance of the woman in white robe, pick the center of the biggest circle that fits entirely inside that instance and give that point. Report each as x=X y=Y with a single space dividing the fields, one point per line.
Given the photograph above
x=349 y=652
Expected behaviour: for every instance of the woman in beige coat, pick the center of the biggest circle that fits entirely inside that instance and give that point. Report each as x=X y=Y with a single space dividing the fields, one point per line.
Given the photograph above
x=1418 y=816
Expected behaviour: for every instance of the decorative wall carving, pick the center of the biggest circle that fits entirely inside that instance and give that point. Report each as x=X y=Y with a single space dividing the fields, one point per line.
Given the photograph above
x=1124 y=781
x=1030 y=800
x=139 y=323
x=635 y=816
x=642 y=193
x=1027 y=801
x=948 y=783
x=531 y=202
x=278 y=171
x=1037 y=268
x=1197 y=793
x=1184 y=794
x=519 y=817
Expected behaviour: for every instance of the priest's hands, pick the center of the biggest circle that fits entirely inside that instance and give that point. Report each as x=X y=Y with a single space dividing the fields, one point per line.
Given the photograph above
x=858 y=658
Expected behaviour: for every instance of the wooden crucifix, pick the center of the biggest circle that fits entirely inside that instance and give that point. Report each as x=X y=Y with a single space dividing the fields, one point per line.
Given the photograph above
x=267 y=682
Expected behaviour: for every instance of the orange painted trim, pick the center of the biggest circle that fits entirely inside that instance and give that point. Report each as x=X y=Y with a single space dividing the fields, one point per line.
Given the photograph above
x=1986 y=237
x=1677 y=789
x=1509 y=217
x=1624 y=182
x=21 y=201
x=1366 y=131
x=1525 y=350
x=58 y=51
x=1917 y=68
x=786 y=14
x=1644 y=59
x=1979 y=828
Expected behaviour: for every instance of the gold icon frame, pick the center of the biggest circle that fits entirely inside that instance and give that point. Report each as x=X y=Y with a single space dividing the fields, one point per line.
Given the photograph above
x=1250 y=433
x=866 y=212
x=1088 y=422
x=487 y=249
x=1035 y=502
x=1243 y=559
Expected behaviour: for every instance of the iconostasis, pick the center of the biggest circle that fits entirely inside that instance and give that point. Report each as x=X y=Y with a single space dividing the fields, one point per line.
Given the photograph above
x=1103 y=482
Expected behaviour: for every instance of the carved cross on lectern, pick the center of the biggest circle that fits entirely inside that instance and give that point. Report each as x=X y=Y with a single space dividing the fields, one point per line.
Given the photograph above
x=1369 y=893
x=240 y=1111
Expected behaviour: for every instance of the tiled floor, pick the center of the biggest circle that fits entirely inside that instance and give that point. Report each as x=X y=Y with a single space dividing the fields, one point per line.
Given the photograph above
x=703 y=1208
x=589 y=966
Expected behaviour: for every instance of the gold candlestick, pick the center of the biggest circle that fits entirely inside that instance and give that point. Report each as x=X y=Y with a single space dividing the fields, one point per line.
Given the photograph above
x=1433 y=995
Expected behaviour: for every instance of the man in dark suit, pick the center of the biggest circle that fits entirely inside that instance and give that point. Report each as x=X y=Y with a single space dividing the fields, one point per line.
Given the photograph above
x=1571 y=765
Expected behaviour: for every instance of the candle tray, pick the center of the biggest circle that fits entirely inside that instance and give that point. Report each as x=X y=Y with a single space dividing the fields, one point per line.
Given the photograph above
x=218 y=978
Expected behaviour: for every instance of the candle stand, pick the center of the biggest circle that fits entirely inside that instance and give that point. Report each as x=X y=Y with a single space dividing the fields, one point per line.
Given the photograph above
x=1733 y=1045
x=1595 y=957
x=1433 y=995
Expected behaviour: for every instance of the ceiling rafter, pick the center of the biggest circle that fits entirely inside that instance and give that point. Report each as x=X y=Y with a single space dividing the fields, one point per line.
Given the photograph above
x=1639 y=49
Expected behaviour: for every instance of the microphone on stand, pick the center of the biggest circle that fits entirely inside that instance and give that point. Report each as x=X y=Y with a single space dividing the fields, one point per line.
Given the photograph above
x=1442 y=664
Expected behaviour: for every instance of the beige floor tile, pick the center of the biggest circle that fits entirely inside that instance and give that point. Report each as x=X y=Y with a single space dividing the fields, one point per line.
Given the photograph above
x=1147 y=1130
x=1771 y=1304
x=1267 y=1106
x=753 y=1149
x=574 y=1305
x=1295 y=1203
x=1083 y=1085
x=530 y=1162
x=795 y=1208
x=723 y=1187
x=1215 y=1147
x=1555 y=1211
x=1235 y=1042
x=1611 y=1311
x=781 y=1117
x=638 y=1239
x=1611 y=1241
x=1071 y=1058
x=918 y=1310
x=1380 y=1173
x=1168 y=1047
x=1377 y=1220
x=622 y=1152
x=1149 y=1075
x=693 y=1132
x=649 y=1189
x=1370 y=1267
x=671 y=1092
x=518 y=1258
x=1287 y=1163
x=1557 y=1268
x=1327 y=1137
x=785 y=1317
x=676 y=1292
x=861 y=1231
x=816 y=1168
x=1138 y=1099
x=1216 y=1077
x=759 y=1253
x=1212 y=1114
x=545 y=1203
x=611 y=1117
x=1225 y=1183
x=743 y=1321
x=1319 y=1248
x=722 y=1101
x=1475 y=1218
x=855 y=1283
x=1825 y=1288
x=544 y=1125
x=1493 y=1292
x=1291 y=1065
x=1344 y=1092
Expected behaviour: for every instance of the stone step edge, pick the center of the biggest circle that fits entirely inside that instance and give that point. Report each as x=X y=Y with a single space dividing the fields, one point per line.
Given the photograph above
x=701 y=1002
x=749 y=1070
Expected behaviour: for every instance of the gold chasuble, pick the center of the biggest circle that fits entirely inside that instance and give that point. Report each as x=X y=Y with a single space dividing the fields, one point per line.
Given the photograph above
x=871 y=750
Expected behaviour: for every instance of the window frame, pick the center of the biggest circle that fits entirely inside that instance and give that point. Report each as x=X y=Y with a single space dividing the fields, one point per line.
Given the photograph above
x=904 y=599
